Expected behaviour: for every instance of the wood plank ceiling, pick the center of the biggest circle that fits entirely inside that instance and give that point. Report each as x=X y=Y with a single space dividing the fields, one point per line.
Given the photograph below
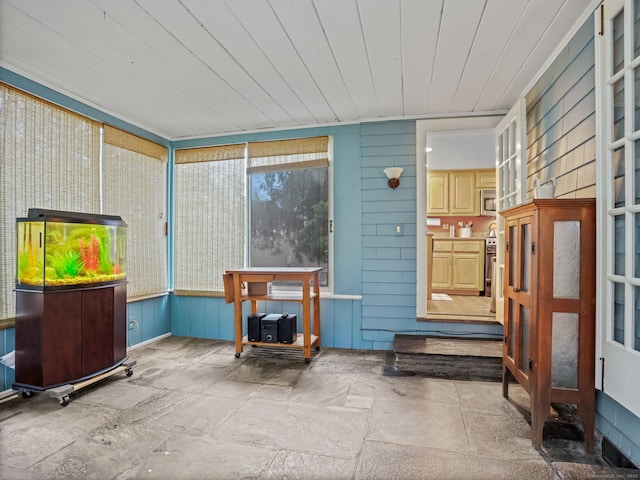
x=191 y=68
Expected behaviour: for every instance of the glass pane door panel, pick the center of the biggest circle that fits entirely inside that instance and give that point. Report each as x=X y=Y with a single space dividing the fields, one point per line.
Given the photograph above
x=636 y=242
x=618 y=109
x=636 y=93
x=525 y=246
x=636 y=28
x=636 y=319
x=618 y=245
x=618 y=40
x=618 y=312
x=566 y=259
x=525 y=324
x=564 y=350
x=636 y=173
x=618 y=177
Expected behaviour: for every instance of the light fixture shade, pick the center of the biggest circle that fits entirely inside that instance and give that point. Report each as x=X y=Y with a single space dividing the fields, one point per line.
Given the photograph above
x=393 y=172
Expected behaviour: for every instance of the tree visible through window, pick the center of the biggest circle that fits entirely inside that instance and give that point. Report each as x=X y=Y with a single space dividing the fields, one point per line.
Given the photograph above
x=289 y=219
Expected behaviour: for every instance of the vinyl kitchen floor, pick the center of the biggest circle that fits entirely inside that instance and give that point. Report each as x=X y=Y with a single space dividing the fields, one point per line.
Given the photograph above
x=191 y=410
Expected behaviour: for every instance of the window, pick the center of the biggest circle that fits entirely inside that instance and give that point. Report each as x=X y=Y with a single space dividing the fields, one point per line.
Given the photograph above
x=289 y=204
x=134 y=175
x=256 y=204
x=49 y=158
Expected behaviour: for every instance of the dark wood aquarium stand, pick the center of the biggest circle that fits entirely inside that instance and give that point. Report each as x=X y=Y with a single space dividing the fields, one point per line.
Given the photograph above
x=68 y=337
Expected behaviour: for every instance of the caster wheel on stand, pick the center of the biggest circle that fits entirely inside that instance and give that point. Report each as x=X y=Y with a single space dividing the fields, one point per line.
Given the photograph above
x=64 y=401
x=237 y=355
x=307 y=360
x=128 y=372
x=26 y=394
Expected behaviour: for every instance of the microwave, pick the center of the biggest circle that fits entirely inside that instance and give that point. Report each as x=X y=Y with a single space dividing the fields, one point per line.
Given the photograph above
x=488 y=203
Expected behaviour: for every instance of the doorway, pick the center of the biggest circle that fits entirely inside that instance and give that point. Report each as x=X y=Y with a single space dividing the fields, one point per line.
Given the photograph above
x=436 y=134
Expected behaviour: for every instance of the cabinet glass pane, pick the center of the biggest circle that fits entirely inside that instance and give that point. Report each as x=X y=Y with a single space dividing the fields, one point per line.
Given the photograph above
x=618 y=109
x=618 y=312
x=511 y=346
x=525 y=246
x=564 y=350
x=512 y=256
x=566 y=259
x=618 y=245
x=618 y=41
x=524 y=346
x=636 y=319
x=618 y=177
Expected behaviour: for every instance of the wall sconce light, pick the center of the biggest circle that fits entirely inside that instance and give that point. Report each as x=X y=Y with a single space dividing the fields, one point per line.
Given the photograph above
x=393 y=174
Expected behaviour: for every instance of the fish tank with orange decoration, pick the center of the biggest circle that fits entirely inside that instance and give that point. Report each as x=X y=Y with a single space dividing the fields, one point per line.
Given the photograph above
x=59 y=250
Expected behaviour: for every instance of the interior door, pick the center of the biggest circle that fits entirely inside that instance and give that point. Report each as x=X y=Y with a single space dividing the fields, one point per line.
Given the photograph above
x=617 y=26
x=511 y=161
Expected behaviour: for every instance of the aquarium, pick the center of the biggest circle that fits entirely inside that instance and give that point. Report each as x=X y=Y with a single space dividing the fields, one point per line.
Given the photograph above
x=65 y=249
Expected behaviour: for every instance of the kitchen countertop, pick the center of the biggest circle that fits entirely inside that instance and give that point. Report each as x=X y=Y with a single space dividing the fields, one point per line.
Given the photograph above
x=447 y=237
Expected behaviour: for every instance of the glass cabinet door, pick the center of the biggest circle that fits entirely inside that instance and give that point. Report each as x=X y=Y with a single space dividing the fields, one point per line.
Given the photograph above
x=517 y=294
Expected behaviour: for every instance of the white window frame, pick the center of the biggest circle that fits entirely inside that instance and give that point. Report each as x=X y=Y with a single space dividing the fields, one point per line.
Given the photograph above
x=618 y=358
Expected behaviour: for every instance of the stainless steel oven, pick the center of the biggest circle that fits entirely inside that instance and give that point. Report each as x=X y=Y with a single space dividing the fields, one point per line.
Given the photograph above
x=488 y=204
x=489 y=253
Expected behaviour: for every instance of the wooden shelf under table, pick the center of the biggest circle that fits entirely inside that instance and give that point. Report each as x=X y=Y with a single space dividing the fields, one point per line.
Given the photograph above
x=299 y=343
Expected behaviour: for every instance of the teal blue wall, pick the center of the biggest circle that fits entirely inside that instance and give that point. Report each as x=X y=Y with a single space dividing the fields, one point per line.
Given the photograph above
x=619 y=425
x=371 y=260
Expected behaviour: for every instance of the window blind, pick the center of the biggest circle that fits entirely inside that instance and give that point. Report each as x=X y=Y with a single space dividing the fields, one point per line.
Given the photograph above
x=49 y=158
x=209 y=225
x=134 y=175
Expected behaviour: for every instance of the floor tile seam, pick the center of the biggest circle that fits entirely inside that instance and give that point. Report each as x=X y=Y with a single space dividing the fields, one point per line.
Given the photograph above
x=368 y=427
x=489 y=456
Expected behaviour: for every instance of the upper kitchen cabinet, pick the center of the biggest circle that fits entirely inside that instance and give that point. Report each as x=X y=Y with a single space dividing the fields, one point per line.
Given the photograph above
x=462 y=194
x=438 y=193
x=457 y=192
x=486 y=178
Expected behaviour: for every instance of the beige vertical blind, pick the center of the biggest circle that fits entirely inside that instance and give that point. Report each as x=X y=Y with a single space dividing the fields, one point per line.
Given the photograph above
x=209 y=226
x=49 y=158
x=134 y=175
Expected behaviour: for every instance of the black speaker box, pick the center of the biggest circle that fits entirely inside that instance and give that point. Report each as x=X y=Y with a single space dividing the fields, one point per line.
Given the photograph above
x=288 y=328
x=270 y=328
x=254 y=328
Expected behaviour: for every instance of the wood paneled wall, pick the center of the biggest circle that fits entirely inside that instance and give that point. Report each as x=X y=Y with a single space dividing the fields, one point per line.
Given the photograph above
x=561 y=121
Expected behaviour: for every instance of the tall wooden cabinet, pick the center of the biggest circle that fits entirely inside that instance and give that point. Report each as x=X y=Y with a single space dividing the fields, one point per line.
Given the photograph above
x=549 y=307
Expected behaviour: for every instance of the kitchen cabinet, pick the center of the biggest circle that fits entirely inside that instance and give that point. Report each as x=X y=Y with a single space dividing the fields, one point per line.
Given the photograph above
x=458 y=266
x=549 y=307
x=486 y=178
x=457 y=192
x=437 y=193
x=442 y=265
x=462 y=193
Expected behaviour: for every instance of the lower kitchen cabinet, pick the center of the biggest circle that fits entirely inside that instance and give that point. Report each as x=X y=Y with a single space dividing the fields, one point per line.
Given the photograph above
x=458 y=266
